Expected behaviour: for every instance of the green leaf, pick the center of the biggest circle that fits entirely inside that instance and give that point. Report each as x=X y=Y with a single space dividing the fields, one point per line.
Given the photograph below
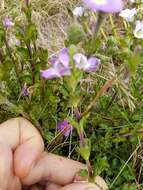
x=28 y=13
x=19 y=33
x=23 y=52
x=75 y=34
x=83 y=173
x=5 y=69
x=85 y=150
x=2 y=36
x=31 y=33
x=100 y=165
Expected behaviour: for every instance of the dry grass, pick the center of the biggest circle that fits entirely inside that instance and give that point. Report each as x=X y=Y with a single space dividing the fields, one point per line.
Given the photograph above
x=51 y=16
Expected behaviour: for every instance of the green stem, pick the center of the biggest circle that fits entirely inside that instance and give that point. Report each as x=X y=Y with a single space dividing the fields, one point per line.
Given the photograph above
x=113 y=26
x=100 y=20
x=90 y=171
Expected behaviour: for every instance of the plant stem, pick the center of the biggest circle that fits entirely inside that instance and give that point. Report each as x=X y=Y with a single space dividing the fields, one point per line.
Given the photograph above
x=27 y=3
x=81 y=137
x=89 y=169
x=100 y=20
x=113 y=26
x=77 y=113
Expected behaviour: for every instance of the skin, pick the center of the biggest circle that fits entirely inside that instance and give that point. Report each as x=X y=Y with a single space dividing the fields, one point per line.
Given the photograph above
x=24 y=162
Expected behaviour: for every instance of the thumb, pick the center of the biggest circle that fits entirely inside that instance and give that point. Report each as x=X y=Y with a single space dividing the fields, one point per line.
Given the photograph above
x=82 y=186
x=98 y=185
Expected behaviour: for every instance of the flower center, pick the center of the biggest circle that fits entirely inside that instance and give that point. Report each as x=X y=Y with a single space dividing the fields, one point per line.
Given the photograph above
x=100 y=2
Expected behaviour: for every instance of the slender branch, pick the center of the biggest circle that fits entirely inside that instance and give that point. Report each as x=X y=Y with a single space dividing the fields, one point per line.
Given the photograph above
x=100 y=93
x=100 y=20
x=90 y=170
x=77 y=113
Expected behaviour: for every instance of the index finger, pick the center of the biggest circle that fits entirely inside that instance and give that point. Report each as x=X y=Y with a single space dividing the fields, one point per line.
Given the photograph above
x=26 y=142
x=59 y=170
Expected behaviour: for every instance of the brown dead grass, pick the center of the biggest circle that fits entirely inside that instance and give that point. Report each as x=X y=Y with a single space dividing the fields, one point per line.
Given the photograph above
x=51 y=17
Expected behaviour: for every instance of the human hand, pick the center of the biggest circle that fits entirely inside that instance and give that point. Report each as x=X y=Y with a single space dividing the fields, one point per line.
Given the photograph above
x=24 y=162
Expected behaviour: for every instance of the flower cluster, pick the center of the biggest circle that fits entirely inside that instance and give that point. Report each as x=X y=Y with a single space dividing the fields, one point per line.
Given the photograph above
x=60 y=64
x=129 y=16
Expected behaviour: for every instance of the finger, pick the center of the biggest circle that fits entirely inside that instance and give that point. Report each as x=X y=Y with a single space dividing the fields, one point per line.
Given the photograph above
x=5 y=165
x=22 y=137
x=53 y=186
x=7 y=179
x=59 y=170
x=82 y=186
x=55 y=169
x=15 y=184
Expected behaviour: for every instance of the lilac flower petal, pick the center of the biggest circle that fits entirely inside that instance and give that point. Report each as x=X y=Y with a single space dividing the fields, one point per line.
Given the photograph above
x=128 y=14
x=25 y=91
x=65 y=127
x=65 y=72
x=80 y=60
x=68 y=131
x=7 y=22
x=64 y=57
x=50 y=73
x=109 y=6
x=138 y=32
x=53 y=60
x=62 y=124
x=92 y=64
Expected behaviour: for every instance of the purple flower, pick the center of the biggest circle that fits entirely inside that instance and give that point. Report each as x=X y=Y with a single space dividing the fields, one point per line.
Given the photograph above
x=65 y=128
x=59 y=66
x=25 y=91
x=138 y=32
x=88 y=65
x=109 y=6
x=7 y=22
x=128 y=14
x=78 y=12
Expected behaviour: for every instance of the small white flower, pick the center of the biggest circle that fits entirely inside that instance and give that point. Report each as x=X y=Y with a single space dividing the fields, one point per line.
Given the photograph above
x=138 y=32
x=78 y=11
x=128 y=14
